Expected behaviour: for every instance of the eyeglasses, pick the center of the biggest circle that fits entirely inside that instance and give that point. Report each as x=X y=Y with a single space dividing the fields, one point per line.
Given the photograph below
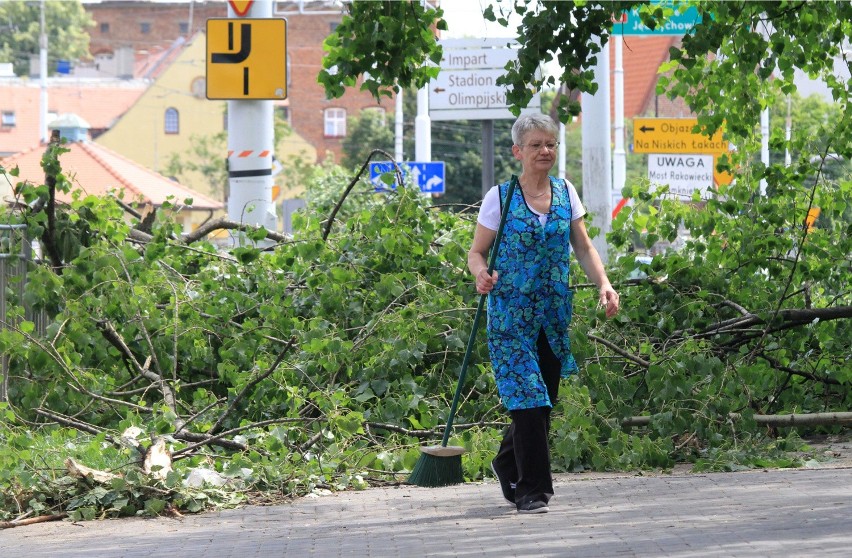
x=537 y=146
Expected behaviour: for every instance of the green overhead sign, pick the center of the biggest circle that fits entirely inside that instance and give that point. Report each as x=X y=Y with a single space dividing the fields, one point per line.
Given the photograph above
x=678 y=24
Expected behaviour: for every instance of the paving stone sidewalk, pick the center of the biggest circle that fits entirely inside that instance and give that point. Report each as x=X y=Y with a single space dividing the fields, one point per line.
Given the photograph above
x=775 y=513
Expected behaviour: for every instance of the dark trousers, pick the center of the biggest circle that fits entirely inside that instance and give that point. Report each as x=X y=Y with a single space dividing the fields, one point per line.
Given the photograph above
x=524 y=454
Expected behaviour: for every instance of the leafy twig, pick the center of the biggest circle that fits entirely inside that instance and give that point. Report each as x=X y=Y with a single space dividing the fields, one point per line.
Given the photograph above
x=352 y=185
x=215 y=428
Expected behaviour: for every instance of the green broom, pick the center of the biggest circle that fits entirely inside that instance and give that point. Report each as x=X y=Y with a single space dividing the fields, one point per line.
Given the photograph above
x=442 y=465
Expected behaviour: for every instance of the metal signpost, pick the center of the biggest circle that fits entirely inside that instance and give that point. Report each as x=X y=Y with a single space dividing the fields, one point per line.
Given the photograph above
x=247 y=64
x=684 y=174
x=246 y=58
x=427 y=176
x=663 y=138
x=674 y=135
x=467 y=89
x=629 y=23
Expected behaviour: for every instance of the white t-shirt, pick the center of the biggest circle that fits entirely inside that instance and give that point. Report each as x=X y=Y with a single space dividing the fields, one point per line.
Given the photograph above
x=489 y=212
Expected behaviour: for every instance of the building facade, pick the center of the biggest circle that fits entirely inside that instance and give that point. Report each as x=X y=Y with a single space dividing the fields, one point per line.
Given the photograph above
x=320 y=121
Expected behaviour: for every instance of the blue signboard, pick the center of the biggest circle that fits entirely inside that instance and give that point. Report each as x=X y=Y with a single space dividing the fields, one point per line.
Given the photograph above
x=677 y=24
x=429 y=177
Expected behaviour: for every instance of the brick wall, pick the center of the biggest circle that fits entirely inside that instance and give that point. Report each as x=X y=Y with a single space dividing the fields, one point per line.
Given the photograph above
x=142 y=25
x=120 y=23
x=305 y=34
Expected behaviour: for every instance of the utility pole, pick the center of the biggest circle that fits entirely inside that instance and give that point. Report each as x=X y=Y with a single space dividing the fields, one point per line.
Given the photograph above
x=423 y=127
x=42 y=72
x=398 y=121
x=250 y=149
x=597 y=157
x=487 y=156
x=619 y=165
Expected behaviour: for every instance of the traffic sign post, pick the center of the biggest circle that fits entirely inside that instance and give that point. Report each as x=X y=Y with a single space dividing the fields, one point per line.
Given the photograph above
x=657 y=136
x=684 y=174
x=246 y=59
x=247 y=65
x=427 y=176
x=466 y=88
x=674 y=135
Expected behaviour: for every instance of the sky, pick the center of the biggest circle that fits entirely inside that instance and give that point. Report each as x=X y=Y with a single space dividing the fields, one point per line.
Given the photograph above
x=464 y=19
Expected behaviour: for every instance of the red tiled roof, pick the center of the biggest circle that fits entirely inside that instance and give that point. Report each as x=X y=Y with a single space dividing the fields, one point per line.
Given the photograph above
x=98 y=102
x=98 y=170
x=151 y=63
x=641 y=59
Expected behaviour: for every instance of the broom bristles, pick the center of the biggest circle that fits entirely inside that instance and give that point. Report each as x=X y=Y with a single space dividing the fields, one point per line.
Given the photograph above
x=438 y=466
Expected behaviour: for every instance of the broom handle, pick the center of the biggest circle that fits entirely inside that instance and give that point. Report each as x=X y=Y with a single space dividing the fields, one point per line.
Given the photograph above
x=482 y=298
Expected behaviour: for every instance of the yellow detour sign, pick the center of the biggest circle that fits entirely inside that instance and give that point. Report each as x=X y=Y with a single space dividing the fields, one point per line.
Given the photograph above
x=246 y=58
x=674 y=135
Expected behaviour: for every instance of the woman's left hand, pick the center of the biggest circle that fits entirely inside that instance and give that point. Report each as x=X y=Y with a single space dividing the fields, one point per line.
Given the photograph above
x=609 y=299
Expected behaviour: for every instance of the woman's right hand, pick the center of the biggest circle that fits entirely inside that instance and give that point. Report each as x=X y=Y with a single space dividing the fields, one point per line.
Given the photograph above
x=485 y=282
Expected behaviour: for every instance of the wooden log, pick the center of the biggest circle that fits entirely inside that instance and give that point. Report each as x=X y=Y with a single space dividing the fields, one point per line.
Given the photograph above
x=793 y=419
x=32 y=520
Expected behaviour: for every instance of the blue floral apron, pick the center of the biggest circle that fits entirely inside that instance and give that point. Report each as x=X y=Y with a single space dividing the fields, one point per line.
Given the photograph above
x=532 y=293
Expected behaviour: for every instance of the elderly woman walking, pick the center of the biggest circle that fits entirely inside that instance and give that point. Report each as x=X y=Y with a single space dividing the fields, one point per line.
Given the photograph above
x=530 y=303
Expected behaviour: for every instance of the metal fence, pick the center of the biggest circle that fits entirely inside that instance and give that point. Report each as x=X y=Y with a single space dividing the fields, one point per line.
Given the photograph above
x=15 y=255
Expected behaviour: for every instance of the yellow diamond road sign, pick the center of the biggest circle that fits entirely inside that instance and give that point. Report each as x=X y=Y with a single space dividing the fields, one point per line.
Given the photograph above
x=246 y=58
x=674 y=135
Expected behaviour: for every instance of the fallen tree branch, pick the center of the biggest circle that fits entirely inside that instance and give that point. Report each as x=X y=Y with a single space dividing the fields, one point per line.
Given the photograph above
x=76 y=385
x=219 y=439
x=798 y=419
x=80 y=471
x=68 y=421
x=616 y=349
x=32 y=520
x=352 y=185
x=790 y=317
x=223 y=223
x=110 y=334
x=438 y=431
x=801 y=373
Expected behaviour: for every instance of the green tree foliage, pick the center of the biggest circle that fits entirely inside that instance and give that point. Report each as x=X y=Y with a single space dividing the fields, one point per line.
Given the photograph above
x=328 y=358
x=457 y=143
x=371 y=130
x=382 y=35
x=67 y=26
x=204 y=157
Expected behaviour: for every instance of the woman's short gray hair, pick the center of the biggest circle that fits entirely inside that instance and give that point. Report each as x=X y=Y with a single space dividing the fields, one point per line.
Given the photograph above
x=532 y=121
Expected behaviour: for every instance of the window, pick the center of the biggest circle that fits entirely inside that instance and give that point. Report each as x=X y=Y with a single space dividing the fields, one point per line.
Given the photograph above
x=145 y=27
x=172 y=123
x=7 y=119
x=104 y=28
x=333 y=26
x=183 y=27
x=335 y=122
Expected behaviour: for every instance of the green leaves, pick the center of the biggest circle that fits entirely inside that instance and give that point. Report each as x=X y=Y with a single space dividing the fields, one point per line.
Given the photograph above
x=384 y=45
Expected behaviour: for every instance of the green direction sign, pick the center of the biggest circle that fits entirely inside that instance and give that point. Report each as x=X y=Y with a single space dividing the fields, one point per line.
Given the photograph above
x=678 y=24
